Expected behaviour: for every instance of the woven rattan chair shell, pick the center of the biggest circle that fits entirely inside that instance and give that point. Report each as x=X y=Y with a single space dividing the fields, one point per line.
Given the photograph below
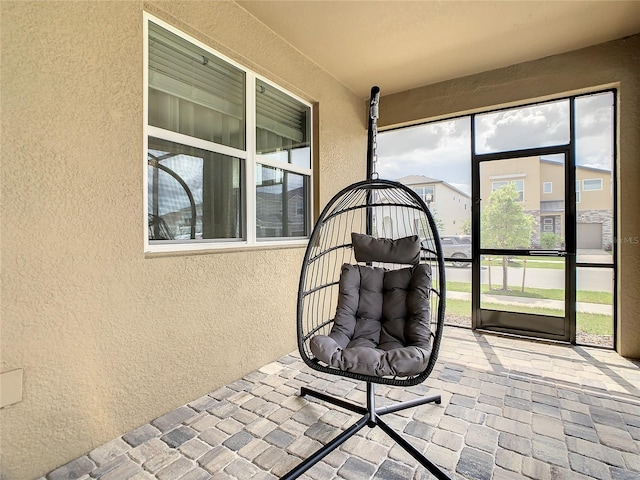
x=383 y=209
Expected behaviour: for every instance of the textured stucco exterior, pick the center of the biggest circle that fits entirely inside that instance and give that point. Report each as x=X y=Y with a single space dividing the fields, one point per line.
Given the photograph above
x=108 y=337
x=609 y=64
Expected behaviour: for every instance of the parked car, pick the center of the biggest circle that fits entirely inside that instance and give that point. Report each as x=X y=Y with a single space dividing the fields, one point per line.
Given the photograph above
x=456 y=246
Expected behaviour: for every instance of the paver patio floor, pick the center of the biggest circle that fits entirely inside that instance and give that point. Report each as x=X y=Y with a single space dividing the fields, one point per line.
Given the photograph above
x=510 y=409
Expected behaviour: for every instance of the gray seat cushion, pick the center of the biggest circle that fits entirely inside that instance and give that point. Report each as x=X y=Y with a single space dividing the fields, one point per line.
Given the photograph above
x=381 y=326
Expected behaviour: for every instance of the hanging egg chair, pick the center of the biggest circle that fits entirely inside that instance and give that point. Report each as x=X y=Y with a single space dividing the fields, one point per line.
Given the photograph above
x=371 y=297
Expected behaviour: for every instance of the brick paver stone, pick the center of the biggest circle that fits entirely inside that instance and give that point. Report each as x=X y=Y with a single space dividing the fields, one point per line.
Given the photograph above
x=177 y=469
x=356 y=469
x=178 y=436
x=216 y=459
x=589 y=466
x=173 y=418
x=75 y=469
x=269 y=458
x=125 y=470
x=213 y=436
x=509 y=460
x=109 y=466
x=475 y=464
x=161 y=460
x=515 y=443
x=550 y=451
x=141 y=435
x=194 y=448
x=241 y=468
x=482 y=438
x=196 y=474
x=239 y=440
x=616 y=438
x=390 y=470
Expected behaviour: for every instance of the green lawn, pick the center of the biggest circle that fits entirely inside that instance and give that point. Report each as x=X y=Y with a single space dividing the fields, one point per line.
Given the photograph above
x=539 y=262
x=587 y=296
x=586 y=322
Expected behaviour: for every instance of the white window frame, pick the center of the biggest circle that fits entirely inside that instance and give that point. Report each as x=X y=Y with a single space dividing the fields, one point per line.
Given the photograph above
x=248 y=156
x=422 y=193
x=546 y=190
x=590 y=189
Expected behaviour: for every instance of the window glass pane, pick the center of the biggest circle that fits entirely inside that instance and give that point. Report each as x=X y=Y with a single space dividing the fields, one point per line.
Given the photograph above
x=594 y=173
x=539 y=125
x=523 y=284
x=192 y=193
x=283 y=130
x=193 y=92
x=433 y=158
x=594 y=307
x=517 y=216
x=458 y=311
x=282 y=203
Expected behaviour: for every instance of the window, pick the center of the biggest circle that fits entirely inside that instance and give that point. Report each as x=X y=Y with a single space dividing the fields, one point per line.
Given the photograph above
x=518 y=184
x=592 y=184
x=548 y=223
x=228 y=153
x=547 y=187
x=577 y=191
x=427 y=194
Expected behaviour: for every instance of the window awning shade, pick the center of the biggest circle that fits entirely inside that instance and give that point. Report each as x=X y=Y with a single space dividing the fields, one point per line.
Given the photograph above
x=180 y=68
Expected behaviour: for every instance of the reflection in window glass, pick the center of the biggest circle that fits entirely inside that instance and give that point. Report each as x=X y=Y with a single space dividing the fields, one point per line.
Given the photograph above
x=193 y=92
x=283 y=130
x=538 y=125
x=281 y=203
x=193 y=193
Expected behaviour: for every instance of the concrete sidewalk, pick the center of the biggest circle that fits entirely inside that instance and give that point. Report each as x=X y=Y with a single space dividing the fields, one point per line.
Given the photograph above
x=534 y=302
x=510 y=409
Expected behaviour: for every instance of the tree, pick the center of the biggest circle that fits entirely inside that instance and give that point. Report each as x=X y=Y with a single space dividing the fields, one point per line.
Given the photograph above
x=505 y=225
x=466 y=227
x=436 y=218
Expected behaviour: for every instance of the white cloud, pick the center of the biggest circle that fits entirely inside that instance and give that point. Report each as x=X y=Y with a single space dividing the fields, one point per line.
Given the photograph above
x=439 y=150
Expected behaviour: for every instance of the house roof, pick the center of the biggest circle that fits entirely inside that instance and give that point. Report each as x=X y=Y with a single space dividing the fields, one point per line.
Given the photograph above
x=582 y=167
x=400 y=44
x=415 y=180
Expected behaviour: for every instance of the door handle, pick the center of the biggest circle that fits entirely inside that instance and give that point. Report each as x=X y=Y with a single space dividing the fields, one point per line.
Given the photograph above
x=547 y=253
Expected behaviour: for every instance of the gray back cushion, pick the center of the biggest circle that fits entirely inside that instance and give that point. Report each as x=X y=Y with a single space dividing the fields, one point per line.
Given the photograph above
x=385 y=250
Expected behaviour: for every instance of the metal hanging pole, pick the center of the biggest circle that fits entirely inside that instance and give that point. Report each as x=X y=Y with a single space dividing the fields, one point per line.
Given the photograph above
x=372 y=130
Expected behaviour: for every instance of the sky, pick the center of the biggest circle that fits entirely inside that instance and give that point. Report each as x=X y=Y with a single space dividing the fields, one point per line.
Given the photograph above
x=442 y=150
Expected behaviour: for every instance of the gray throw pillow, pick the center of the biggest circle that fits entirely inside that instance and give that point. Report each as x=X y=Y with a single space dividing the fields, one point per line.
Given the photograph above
x=371 y=249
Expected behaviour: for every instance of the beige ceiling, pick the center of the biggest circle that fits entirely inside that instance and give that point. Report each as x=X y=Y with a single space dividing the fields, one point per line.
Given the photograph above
x=399 y=44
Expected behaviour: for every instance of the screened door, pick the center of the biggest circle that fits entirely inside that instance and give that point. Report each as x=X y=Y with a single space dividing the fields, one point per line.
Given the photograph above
x=523 y=225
